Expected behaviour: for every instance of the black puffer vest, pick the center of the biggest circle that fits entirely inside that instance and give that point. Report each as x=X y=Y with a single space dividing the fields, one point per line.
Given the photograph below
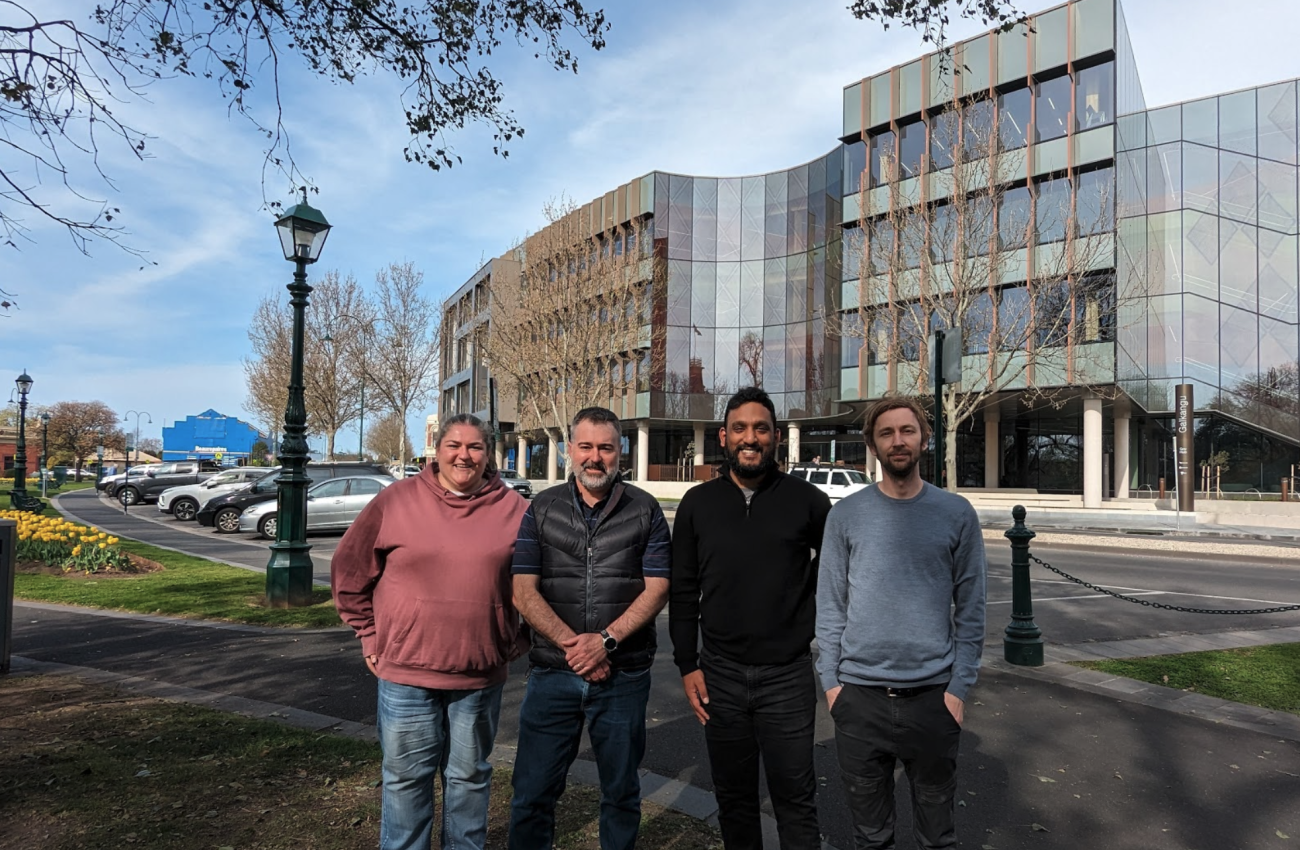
x=590 y=578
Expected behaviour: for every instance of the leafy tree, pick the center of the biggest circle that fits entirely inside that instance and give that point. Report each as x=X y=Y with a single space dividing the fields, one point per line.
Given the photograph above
x=62 y=79
x=78 y=428
x=257 y=453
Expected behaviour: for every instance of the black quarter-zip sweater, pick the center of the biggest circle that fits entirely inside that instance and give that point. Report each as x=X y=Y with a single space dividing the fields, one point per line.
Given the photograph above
x=745 y=576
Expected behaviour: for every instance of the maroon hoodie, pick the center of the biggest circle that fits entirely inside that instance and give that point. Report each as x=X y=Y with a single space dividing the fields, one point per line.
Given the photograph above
x=423 y=577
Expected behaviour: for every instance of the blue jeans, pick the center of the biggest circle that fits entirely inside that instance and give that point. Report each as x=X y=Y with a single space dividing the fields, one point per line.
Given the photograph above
x=556 y=705
x=423 y=732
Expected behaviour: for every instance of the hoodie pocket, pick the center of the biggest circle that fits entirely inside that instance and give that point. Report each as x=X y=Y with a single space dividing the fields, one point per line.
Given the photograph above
x=447 y=635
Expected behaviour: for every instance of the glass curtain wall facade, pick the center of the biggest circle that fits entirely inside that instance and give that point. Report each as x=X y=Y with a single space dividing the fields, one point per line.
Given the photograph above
x=753 y=268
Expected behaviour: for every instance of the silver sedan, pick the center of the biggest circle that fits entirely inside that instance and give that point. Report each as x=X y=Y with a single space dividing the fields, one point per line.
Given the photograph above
x=331 y=504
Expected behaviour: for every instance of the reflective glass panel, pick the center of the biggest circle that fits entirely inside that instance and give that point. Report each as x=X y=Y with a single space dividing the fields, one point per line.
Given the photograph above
x=1277 y=122
x=1164 y=125
x=977 y=325
x=852 y=109
x=797 y=210
x=852 y=253
x=882 y=245
x=702 y=375
x=1239 y=347
x=942 y=233
x=1237 y=189
x=1052 y=209
x=977 y=129
x=751 y=219
x=726 y=361
x=1013 y=54
x=703 y=294
x=1095 y=203
x=704 y=219
x=1013 y=118
x=1164 y=253
x=1201 y=178
x=796 y=360
x=909 y=88
x=851 y=340
x=975 y=66
x=751 y=294
x=911 y=148
x=878 y=337
x=1277 y=276
x=1164 y=178
x=944 y=136
x=1201 y=254
x=1201 y=121
x=855 y=163
x=1277 y=196
x=679 y=292
x=1237 y=122
x=774 y=291
x=729 y=209
x=774 y=359
x=881 y=96
x=1050 y=47
x=1132 y=186
x=1164 y=337
x=680 y=198
x=727 y=313
x=1052 y=108
x=1014 y=216
x=1238 y=257
x=774 y=215
x=882 y=157
x=1013 y=318
x=1200 y=347
x=1094 y=96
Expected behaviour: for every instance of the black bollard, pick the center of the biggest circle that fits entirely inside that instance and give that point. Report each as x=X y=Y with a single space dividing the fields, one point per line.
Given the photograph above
x=1023 y=644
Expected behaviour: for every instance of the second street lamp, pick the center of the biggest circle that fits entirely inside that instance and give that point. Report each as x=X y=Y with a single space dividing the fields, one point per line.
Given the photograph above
x=19 y=493
x=45 y=447
x=302 y=231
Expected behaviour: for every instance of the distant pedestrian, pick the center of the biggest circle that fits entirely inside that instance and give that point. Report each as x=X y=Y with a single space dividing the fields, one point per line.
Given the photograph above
x=745 y=575
x=423 y=576
x=900 y=630
x=591 y=571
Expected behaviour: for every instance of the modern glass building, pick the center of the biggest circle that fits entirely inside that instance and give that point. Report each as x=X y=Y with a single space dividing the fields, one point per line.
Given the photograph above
x=1189 y=213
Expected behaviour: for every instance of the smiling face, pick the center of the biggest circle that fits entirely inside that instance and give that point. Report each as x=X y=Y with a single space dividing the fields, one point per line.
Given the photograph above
x=594 y=449
x=462 y=458
x=749 y=440
x=896 y=441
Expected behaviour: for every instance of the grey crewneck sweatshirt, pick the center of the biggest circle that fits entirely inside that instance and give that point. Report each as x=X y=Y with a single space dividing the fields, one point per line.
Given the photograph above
x=900 y=593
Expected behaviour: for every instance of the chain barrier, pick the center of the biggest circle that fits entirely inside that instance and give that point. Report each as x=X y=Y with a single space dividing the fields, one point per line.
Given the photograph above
x=1161 y=605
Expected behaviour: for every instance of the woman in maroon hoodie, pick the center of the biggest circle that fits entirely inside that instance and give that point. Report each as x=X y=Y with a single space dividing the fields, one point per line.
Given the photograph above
x=423 y=577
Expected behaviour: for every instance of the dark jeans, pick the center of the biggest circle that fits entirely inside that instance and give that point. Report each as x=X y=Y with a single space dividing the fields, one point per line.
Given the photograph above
x=556 y=705
x=872 y=731
x=762 y=711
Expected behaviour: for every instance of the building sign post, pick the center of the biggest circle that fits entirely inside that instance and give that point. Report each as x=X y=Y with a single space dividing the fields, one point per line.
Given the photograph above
x=1184 y=448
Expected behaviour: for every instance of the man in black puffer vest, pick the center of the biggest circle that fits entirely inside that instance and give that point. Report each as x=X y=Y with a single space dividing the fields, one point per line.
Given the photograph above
x=591 y=569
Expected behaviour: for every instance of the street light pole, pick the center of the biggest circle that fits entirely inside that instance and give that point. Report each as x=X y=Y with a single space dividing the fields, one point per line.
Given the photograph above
x=45 y=448
x=127 y=418
x=19 y=493
x=288 y=573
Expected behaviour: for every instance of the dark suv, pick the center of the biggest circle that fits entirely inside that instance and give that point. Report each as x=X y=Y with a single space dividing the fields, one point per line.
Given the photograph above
x=223 y=511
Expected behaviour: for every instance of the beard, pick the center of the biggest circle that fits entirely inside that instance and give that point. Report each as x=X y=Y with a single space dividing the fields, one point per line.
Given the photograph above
x=766 y=461
x=899 y=466
x=595 y=477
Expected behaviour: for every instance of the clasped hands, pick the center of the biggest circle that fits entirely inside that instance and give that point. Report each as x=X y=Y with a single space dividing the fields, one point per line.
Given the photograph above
x=586 y=656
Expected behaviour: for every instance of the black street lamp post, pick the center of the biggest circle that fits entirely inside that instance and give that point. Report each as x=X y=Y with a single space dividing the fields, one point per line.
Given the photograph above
x=288 y=574
x=19 y=493
x=45 y=447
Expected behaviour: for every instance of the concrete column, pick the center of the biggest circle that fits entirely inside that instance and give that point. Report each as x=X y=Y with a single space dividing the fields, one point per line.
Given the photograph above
x=992 y=446
x=1121 y=457
x=1092 y=453
x=792 y=441
x=552 y=458
x=880 y=471
x=699 y=444
x=499 y=454
x=642 y=451
x=521 y=456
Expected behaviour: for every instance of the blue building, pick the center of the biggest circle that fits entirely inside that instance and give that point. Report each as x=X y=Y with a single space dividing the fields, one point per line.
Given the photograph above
x=210 y=435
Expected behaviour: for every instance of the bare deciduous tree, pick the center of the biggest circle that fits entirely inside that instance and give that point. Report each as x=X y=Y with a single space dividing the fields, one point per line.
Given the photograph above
x=1025 y=273
x=400 y=355
x=572 y=328
x=332 y=377
x=388 y=439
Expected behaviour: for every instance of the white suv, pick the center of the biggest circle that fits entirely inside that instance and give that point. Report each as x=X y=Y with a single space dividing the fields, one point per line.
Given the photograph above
x=184 y=502
x=835 y=481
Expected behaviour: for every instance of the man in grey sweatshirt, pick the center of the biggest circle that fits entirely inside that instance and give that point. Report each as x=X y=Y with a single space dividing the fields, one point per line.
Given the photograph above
x=900 y=627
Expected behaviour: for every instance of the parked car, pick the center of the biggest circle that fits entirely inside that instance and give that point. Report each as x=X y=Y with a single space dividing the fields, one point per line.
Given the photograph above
x=222 y=512
x=332 y=504
x=184 y=502
x=835 y=481
x=146 y=488
x=110 y=483
x=396 y=470
x=517 y=482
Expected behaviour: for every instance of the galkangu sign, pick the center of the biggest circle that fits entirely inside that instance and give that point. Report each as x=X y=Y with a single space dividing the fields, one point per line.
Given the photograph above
x=1184 y=448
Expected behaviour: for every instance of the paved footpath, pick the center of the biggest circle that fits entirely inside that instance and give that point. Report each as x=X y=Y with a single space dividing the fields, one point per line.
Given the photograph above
x=1052 y=757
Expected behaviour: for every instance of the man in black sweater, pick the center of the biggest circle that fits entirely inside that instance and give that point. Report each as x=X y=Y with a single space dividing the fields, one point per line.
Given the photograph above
x=745 y=577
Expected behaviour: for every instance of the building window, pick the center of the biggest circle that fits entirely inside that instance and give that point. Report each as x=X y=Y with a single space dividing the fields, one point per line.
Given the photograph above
x=1052 y=108
x=943 y=233
x=945 y=135
x=882 y=158
x=855 y=162
x=1014 y=215
x=1013 y=119
x=852 y=340
x=977 y=130
x=1095 y=202
x=1052 y=210
x=911 y=148
x=1094 y=96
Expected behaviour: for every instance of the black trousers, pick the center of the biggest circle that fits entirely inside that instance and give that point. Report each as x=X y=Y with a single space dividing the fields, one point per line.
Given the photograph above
x=872 y=732
x=767 y=712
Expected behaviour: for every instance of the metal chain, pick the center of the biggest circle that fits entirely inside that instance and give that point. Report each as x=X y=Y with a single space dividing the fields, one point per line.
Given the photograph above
x=1150 y=604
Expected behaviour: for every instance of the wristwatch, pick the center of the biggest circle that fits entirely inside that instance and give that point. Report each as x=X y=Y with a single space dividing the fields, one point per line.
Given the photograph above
x=610 y=642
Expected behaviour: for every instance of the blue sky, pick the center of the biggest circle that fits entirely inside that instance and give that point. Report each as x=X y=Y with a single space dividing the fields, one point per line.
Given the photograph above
x=722 y=88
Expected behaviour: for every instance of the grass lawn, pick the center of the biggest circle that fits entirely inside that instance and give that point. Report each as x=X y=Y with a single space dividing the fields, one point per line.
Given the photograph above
x=1266 y=676
x=186 y=587
x=88 y=766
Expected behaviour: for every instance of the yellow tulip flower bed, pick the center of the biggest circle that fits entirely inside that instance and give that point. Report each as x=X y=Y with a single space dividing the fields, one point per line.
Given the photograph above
x=56 y=542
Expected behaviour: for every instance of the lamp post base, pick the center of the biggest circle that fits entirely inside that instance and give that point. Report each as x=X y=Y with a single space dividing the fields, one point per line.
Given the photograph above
x=288 y=575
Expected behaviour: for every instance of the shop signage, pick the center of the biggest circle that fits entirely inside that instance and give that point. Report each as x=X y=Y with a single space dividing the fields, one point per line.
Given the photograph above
x=1184 y=447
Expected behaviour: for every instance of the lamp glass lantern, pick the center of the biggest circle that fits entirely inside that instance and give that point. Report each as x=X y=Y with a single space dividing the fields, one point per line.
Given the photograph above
x=24 y=383
x=302 y=230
